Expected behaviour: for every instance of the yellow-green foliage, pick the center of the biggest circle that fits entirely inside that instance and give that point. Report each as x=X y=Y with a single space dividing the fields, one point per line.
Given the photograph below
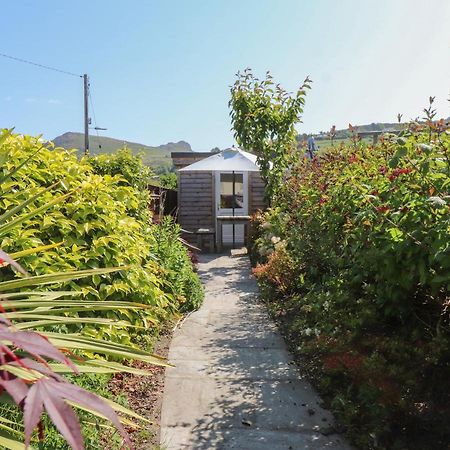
x=92 y=223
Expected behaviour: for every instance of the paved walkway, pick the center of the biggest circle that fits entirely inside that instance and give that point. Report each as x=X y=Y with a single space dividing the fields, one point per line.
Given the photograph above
x=234 y=385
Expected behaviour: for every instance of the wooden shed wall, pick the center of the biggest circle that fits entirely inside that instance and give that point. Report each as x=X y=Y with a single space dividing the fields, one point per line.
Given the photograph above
x=256 y=192
x=196 y=195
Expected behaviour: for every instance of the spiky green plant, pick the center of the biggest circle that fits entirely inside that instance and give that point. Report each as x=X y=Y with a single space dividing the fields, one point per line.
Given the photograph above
x=32 y=361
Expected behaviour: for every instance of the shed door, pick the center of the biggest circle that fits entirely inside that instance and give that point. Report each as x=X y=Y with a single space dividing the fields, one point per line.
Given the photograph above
x=224 y=203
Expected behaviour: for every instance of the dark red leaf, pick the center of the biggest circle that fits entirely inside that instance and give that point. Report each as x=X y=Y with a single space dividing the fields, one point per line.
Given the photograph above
x=62 y=415
x=16 y=388
x=2 y=319
x=32 y=410
x=31 y=364
x=35 y=344
x=89 y=400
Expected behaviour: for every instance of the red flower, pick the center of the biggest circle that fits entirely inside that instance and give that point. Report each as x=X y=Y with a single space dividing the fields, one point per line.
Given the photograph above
x=397 y=172
x=353 y=158
x=383 y=208
x=382 y=169
x=322 y=200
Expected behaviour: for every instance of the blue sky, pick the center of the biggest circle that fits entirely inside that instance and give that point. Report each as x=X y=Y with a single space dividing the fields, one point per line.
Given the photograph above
x=161 y=70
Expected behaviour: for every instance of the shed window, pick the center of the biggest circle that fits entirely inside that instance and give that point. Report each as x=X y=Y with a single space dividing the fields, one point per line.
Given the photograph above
x=226 y=190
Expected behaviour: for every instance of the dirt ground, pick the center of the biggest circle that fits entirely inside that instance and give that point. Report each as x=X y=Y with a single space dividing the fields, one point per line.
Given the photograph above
x=144 y=393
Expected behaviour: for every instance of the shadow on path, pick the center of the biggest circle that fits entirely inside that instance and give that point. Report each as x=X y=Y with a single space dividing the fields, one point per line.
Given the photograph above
x=234 y=385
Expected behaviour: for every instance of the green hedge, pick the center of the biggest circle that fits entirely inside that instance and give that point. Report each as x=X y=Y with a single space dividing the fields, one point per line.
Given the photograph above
x=102 y=222
x=176 y=261
x=181 y=281
x=355 y=260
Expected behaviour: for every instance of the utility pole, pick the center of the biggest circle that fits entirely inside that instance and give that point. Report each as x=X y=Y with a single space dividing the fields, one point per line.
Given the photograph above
x=86 y=114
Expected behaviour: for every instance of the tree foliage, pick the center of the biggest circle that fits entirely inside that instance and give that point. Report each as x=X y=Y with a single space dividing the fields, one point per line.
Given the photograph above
x=169 y=181
x=130 y=171
x=263 y=117
x=124 y=163
x=96 y=220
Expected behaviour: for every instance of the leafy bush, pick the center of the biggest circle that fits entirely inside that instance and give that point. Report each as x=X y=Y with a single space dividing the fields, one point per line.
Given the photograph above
x=363 y=234
x=56 y=215
x=32 y=363
x=92 y=220
x=130 y=171
x=169 y=181
x=173 y=257
x=168 y=251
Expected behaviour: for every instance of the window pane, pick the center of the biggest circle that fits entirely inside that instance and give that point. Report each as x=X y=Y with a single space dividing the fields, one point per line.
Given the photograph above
x=226 y=190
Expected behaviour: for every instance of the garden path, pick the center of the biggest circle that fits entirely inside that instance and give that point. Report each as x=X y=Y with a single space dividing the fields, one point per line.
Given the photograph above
x=234 y=384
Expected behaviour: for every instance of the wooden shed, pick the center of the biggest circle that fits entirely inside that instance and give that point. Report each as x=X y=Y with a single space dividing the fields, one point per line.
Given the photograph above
x=217 y=194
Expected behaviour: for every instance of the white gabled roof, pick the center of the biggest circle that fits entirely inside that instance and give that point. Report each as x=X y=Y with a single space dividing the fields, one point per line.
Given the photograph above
x=231 y=159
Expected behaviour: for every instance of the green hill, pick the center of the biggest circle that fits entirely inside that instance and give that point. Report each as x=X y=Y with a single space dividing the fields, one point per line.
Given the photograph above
x=346 y=133
x=157 y=157
x=323 y=140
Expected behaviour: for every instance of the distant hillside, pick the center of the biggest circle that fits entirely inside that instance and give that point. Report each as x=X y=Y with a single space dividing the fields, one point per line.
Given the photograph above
x=345 y=133
x=323 y=138
x=156 y=157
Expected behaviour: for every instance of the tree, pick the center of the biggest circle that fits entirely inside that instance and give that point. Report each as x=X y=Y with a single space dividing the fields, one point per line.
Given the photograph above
x=169 y=181
x=263 y=117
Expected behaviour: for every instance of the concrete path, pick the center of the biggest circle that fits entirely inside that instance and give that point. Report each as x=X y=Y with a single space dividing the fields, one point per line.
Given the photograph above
x=234 y=385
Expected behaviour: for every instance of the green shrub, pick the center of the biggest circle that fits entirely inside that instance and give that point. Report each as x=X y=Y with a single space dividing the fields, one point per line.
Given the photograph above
x=92 y=224
x=169 y=180
x=173 y=256
x=363 y=232
x=99 y=224
x=131 y=171
x=83 y=220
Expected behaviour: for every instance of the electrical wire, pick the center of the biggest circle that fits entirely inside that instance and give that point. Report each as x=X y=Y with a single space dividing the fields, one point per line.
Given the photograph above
x=91 y=101
x=42 y=66
x=93 y=110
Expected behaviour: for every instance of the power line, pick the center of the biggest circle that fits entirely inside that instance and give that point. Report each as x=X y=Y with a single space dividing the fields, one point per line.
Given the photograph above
x=93 y=111
x=96 y=127
x=42 y=66
x=87 y=95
